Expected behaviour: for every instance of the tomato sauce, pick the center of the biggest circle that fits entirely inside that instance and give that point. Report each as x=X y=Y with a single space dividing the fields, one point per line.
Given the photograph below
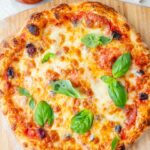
x=29 y=1
x=131 y=114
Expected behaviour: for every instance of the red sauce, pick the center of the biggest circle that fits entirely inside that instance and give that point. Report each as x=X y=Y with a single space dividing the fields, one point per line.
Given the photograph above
x=94 y=20
x=141 y=62
x=29 y=1
x=105 y=57
x=122 y=134
x=30 y=132
x=131 y=113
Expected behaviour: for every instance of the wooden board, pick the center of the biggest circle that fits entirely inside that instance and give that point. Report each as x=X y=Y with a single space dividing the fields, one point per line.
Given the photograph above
x=138 y=17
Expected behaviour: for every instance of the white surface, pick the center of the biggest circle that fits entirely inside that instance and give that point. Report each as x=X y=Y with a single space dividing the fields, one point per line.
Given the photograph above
x=140 y=2
x=10 y=7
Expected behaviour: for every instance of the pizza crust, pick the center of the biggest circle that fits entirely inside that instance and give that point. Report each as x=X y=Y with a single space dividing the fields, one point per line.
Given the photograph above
x=41 y=20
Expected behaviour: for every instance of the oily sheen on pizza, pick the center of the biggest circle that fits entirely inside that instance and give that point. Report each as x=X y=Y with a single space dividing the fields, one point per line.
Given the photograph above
x=76 y=78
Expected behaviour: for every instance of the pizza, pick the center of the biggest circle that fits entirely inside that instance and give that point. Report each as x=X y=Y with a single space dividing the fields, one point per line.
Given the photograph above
x=76 y=77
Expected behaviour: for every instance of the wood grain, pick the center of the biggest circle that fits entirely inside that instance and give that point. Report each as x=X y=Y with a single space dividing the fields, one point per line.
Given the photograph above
x=138 y=17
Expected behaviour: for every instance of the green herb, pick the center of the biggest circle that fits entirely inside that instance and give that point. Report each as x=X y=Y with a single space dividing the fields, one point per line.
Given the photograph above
x=107 y=79
x=122 y=65
x=47 y=57
x=82 y=121
x=65 y=87
x=104 y=40
x=115 y=142
x=116 y=91
x=32 y=103
x=43 y=114
x=92 y=40
x=24 y=92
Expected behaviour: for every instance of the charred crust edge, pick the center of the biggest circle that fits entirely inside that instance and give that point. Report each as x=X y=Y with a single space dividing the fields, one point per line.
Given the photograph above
x=61 y=7
x=36 y=16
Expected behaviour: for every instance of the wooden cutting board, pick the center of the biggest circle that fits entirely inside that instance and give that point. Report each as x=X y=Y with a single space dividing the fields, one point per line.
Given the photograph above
x=138 y=17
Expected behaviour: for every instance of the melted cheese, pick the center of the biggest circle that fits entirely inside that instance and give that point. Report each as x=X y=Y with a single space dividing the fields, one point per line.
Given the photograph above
x=101 y=100
x=86 y=73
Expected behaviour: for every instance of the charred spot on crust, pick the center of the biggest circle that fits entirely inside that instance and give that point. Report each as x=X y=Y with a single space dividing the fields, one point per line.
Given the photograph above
x=37 y=16
x=10 y=72
x=42 y=133
x=62 y=7
x=31 y=49
x=143 y=96
x=116 y=35
x=33 y=29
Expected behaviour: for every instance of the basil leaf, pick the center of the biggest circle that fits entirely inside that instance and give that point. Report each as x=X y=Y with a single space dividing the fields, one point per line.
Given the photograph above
x=32 y=103
x=65 y=87
x=24 y=92
x=91 y=40
x=118 y=93
x=122 y=65
x=43 y=114
x=82 y=121
x=107 y=79
x=104 y=40
x=47 y=57
x=115 y=142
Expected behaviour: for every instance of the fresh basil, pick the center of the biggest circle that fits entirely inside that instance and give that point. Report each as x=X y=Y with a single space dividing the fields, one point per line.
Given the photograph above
x=65 y=87
x=107 y=79
x=116 y=91
x=32 y=103
x=82 y=121
x=92 y=40
x=115 y=142
x=47 y=57
x=122 y=65
x=24 y=92
x=104 y=40
x=43 y=113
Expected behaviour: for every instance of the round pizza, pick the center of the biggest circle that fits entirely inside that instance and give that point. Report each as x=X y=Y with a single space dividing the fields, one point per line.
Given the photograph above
x=77 y=77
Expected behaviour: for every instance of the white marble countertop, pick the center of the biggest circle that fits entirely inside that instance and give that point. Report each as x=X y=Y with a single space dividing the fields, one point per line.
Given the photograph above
x=10 y=7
